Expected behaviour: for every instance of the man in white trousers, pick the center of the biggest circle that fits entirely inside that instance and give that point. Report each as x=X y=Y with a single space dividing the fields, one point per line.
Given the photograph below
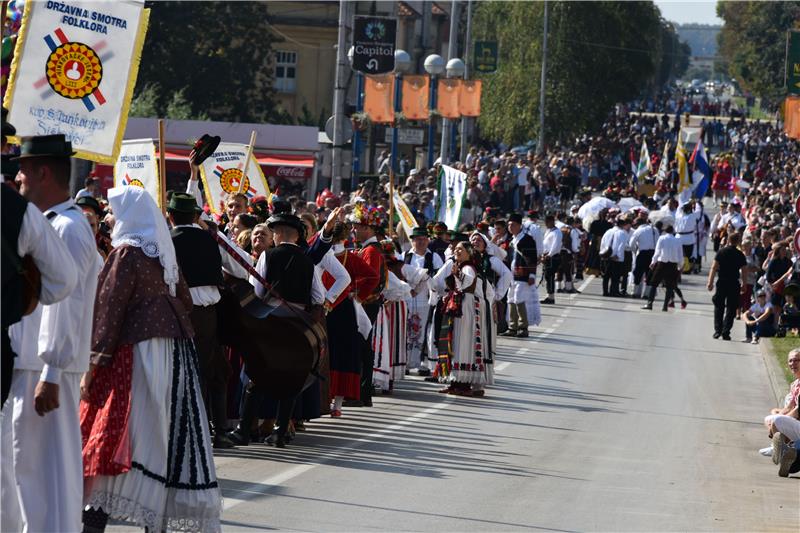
x=42 y=467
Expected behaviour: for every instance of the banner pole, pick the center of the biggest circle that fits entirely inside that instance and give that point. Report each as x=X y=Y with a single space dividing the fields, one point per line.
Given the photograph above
x=162 y=173
x=391 y=202
x=247 y=160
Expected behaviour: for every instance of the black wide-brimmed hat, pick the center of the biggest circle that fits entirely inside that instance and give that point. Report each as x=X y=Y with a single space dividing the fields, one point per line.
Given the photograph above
x=181 y=202
x=91 y=203
x=419 y=231
x=45 y=146
x=204 y=147
x=286 y=219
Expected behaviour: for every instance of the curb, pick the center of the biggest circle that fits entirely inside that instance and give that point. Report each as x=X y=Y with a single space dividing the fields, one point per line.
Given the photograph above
x=777 y=380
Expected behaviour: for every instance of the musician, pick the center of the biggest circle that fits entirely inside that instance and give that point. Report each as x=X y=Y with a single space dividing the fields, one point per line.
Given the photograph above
x=367 y=222
x=521 y=260
x=41 y=430
x=202 y=263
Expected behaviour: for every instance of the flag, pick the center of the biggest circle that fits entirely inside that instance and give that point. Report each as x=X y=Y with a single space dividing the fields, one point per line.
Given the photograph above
x=663 y=165
x=379 y=98
x=685 y=186
x=137 y=166
x=75 y=73
x=447 y=98
x=416 y=91
x=452 y=190
x=222 y=173
x=469 y=98
x=791 y=117
x=645 y=167
x=404 y=213
x=702 y=170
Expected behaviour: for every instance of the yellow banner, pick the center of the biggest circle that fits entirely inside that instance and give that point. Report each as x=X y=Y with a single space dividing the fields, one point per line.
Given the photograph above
x=404 y=213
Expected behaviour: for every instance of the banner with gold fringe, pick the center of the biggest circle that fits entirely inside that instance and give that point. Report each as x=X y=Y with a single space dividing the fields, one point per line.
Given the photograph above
x=74 y=70
x=222 y=172
x=137 y=166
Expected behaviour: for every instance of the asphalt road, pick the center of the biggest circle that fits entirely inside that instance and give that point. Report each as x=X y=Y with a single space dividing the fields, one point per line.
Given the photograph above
x=608 y=418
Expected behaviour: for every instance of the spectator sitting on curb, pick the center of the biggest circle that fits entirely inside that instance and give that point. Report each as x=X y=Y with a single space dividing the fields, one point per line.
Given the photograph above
x=783 y=424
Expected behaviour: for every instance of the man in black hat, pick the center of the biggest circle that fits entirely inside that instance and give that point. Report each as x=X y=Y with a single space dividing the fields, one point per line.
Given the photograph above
x=423 y=302
x=290 y=272
x=201 y=263
x=551 y=256
x=439 y=243
x=521 y=260
x=53 y=346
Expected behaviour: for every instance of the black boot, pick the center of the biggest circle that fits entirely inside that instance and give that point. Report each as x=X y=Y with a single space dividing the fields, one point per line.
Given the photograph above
x=94 y=521
x=241 y=435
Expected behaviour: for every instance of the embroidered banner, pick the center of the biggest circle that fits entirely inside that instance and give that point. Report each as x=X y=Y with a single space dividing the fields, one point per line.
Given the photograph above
x=452 y=190
x=379 y=98
x=416 y=92
x=74 y=69
x=137 y=166
x=222 y=172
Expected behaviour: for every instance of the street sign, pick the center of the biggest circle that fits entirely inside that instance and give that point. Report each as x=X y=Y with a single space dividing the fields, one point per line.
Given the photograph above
x=406 y=135
x=485 y=59
x=373 y=44
x=793 y=62
x=347 y=129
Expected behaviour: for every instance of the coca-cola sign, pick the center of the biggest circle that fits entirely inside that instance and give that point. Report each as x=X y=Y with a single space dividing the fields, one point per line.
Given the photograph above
x=289 y=172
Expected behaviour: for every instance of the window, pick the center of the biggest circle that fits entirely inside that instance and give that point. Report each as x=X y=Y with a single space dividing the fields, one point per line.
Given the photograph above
x=285 y=71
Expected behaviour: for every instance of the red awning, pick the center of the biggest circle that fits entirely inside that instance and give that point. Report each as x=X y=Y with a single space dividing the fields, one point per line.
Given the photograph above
x=286 y=160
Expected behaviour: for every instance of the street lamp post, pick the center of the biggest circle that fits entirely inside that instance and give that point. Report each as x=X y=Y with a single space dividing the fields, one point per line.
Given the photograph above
x=402 y=63
x=434 y=66
x=455 y=69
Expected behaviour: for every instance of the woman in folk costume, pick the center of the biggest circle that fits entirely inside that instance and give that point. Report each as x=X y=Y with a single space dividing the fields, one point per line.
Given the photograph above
x=465 y=312
x=344 y=346
x=389 y=332
x=496 y=276
x=146 y=445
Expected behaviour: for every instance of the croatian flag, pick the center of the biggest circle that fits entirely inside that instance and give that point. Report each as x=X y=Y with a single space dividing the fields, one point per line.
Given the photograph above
x=702 y=171
x=250 y=192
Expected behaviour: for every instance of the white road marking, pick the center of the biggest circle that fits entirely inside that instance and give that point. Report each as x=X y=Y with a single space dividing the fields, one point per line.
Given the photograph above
x=277 y=479
x=501 y=366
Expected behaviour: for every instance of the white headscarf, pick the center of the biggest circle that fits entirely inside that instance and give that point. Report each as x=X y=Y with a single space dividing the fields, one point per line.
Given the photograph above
x=491 y=248
x=140 y=223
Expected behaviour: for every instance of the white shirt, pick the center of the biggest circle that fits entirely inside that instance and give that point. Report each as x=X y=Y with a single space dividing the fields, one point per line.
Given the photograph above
x=505 y=279
x=206 y=295
x=615 y=239
x=522 y=176
x=552 y=242
x=686 y=227
x=341 y=278
x=535 y=231
x=644 y=238
x=56 y=338
x=668 y=250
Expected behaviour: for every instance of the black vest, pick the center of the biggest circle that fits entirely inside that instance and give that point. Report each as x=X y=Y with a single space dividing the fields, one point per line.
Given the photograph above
x=290 y=273
x=427 y=264
x=14 y=206
x=198 y=256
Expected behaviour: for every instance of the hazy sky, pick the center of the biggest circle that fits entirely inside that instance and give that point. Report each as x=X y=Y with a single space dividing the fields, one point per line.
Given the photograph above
x=703 y=12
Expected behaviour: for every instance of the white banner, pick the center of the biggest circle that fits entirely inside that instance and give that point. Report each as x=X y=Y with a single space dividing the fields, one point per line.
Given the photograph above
x=222 y=172
x=74 y=69
x=452 y=189
x=137 y=166
x=404 y=214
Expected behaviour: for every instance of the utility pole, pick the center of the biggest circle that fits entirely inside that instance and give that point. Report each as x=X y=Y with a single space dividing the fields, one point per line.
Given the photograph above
x=452 y=44
x=467 y=52
x=543 y=85
x=338 y=99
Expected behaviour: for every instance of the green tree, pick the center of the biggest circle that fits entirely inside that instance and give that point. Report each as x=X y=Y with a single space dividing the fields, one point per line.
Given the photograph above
x=146 y=103
x=216 y=55
x=753 y=43
x=599 y=53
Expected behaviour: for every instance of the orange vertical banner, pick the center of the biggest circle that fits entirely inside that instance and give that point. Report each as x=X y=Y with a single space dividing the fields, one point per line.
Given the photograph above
x=447 y=98
x=791 y=117
x=379 y=98
x=469 y=99
x=416 y=92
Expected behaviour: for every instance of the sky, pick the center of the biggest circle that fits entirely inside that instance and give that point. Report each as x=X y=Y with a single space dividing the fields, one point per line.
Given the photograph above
x=701 y=12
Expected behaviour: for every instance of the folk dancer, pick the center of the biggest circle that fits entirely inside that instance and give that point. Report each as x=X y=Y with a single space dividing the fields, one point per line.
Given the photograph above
x=521 y=260
x=551 y=257
x=667 y=257
x=612 y=250
x=41 y=444
x=643 y=244
x=146 y=454
x=570 y=247
x=686 y=230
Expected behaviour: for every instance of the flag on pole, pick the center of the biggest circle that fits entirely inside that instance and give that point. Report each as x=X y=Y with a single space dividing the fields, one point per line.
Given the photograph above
x=645 y=167
x=404 y=214
x=452 y=190
x=685 y=186
x=663 y=165
x=74 y=73
x=222 y=172
x=137 y=166
x=702 y=170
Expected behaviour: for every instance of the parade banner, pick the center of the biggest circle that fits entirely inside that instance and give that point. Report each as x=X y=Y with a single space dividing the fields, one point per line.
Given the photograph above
x=791 y=117
x=416 y=104
x=379 y=98
x=404 y=214
x=469 y=99
x=452 y=190
x=645 y=167
x=137 y=166
x=74 y=69
x=222 y=172
x=447 y=98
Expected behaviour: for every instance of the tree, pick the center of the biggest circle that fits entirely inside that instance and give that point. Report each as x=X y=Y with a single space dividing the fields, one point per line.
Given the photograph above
x=599 y=53
x=146 y=103
x=216 y=55
x=753 y=43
